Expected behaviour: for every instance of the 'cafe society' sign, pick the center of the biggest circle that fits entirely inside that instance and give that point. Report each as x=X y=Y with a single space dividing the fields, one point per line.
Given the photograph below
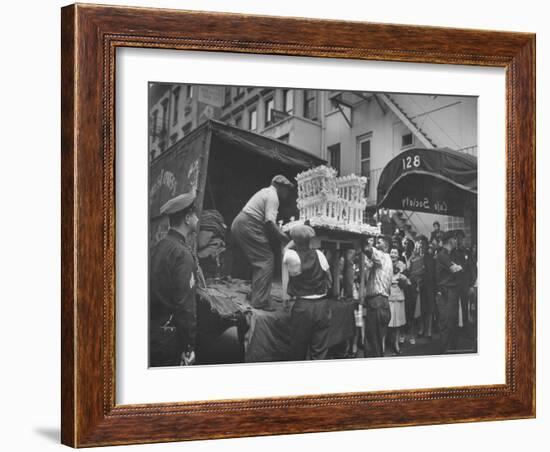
x=425 y=204
x=436 y=181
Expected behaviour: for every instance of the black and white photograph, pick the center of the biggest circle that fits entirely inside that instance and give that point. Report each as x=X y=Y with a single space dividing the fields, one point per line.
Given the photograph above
x=245 y=226
x=293 y=224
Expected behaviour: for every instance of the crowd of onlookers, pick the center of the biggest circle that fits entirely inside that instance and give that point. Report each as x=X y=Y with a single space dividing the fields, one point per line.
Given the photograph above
x=419 y=294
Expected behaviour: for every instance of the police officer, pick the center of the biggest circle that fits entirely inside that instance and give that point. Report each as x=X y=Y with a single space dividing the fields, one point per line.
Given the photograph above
x=448 y=280
x=462 y=256
x=173 y=273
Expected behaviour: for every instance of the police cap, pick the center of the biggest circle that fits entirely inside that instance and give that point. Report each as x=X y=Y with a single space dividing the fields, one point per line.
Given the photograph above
x=460 y=233
x=177 y=204
x=448 y=236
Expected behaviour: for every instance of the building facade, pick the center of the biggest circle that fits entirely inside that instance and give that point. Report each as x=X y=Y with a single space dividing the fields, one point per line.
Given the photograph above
x=356 y=132
x=364 y=131
x=177 y=109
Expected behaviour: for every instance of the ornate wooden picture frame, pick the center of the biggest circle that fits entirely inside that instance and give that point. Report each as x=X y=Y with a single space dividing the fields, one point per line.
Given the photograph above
x=90 y=37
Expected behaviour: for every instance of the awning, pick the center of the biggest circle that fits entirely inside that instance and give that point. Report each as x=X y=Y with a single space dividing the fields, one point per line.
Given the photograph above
x=439 y=181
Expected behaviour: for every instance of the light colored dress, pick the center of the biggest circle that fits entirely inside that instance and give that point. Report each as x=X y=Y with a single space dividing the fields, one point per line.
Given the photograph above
x=397 y=302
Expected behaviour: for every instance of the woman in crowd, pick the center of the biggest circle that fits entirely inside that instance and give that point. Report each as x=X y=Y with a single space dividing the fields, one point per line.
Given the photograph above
x=426 y=286
x=416 y=273
x=410 y=291
x=397 y=299
x=396 y=243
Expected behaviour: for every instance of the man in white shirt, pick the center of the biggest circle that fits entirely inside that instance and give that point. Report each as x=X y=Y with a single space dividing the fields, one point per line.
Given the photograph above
x=252 y=229
x=377 y=293
x=309 y=281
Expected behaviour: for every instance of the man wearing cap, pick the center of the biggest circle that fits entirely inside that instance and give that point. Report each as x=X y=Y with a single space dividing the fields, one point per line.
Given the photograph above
x=173 y=273
x=252 y=229
x=378 y=287
x=309 y=280
x=447 y=279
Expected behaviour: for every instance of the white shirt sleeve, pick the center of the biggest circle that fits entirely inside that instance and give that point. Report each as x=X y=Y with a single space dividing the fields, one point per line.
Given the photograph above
x=271 y=206
x=292 y=261
x=323 y=261
x=377 y=257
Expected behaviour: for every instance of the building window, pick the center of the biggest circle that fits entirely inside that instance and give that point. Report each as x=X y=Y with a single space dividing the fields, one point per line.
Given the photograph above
x=364 y=156
x=189 y=91
x=268 y=111
x=310 y=104
x=227 y=99
x=253 y=119
x=155 y=125
x=239 y=122
x=288 y=101
x=176 y=105
x=334 y=157
x=284 y=138
x=407 y=140
x=239 y=92
x=164 y=116
x=173 y=138
x=186 y=129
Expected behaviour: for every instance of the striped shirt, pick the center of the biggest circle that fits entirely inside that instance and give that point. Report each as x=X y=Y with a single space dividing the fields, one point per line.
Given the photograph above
x=381 y=274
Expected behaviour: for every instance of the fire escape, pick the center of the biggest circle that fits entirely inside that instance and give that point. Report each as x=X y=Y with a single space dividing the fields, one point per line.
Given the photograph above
x=346 y=101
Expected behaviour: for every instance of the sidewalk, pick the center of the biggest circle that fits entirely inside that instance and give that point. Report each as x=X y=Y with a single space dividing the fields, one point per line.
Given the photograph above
x=466 y=342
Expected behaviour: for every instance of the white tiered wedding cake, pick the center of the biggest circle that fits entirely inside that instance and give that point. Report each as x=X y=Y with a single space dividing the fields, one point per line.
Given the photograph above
x=325 y=200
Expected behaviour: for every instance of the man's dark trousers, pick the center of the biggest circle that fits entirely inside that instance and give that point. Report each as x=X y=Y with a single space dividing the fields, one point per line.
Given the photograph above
x=464 y=296
x=378 y=316
x=309 y=325
x=447 y=307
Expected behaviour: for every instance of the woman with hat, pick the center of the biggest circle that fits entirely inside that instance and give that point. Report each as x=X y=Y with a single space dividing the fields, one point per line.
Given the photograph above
x=397 y=298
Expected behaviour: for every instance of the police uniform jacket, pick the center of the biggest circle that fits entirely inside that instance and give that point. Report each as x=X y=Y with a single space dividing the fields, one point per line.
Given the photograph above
x=443 y=275
x=172 y=294
x=462 y=257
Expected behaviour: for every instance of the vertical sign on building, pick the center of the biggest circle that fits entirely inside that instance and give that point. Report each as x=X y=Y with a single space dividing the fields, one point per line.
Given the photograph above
x=210 y=100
